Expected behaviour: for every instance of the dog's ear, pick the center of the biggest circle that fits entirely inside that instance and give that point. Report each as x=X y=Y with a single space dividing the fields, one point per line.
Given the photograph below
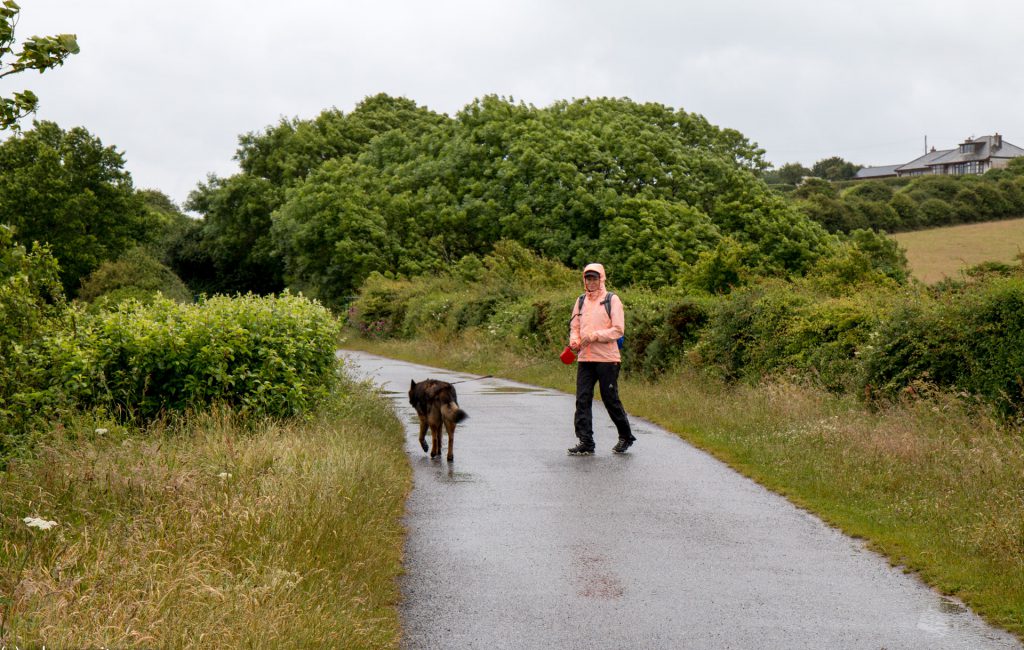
x=413 y=384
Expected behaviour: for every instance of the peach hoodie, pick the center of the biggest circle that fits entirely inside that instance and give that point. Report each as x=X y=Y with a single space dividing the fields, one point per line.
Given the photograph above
x=594 y=322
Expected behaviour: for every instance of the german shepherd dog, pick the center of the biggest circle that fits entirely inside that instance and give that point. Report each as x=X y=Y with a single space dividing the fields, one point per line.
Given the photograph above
x=435 y=403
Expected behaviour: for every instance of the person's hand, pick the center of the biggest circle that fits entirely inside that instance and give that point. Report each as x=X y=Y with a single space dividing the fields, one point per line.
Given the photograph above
x=585 y=339
x=575 y=347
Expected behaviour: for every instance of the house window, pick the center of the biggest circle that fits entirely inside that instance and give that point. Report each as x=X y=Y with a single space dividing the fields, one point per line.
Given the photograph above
x=972 y=167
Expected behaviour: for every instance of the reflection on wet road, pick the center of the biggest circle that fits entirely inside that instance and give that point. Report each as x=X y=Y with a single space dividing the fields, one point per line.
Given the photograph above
x=517 y=545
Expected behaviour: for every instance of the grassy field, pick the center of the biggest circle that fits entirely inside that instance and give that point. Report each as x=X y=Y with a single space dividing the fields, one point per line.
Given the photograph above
x=209 y=532
x=932 y=483
x=943 y=252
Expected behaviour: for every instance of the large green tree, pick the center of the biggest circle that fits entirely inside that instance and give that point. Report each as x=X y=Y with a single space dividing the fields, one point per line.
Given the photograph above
x=233 y=240
x=789 y=174
x=231 y=249
x=396 y=188
x=66 y=189
x=834 y=169
x=38 y=53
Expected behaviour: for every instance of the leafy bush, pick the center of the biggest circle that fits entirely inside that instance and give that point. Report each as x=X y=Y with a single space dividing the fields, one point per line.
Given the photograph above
x=379 y=311
x=936 y=212
x=869 y=191
x=32 y=307
x=833 y=214
x=269 y=356
x=906 y=210
x=970 y=338
x=939 y=187
x=993 y=323
x=877 y=215
x=743 y=329
x=513 y=265
x=661 y=328
x=137 y=276
x=777 y=327
x=721 y=269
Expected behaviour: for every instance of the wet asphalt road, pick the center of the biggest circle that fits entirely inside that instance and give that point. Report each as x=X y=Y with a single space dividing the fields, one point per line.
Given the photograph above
x=517 y=545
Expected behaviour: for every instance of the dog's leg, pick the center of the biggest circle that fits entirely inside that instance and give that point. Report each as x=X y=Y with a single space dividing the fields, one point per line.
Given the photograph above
x=423 y=432
x=434 y=420
x=435 y=435
x=450 y=426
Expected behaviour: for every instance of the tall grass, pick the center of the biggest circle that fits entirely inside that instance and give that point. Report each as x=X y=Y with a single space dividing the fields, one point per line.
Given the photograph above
x=209 y=530
x=934 y=483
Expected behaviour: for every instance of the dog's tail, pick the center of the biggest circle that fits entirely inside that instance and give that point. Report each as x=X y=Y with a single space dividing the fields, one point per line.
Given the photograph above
x=453 y=413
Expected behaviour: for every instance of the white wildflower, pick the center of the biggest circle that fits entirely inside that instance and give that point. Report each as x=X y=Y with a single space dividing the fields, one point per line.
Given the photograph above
x=41 y=524
x=102 y=432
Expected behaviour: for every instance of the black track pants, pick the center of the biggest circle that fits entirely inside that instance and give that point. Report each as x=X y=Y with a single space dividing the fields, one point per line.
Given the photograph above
x=606 y=376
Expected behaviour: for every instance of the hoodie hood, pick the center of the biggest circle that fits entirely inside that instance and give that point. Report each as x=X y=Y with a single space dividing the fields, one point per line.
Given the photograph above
x=600 y=269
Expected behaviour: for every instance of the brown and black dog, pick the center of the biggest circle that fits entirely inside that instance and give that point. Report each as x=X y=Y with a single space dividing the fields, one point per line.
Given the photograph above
x=436 y=404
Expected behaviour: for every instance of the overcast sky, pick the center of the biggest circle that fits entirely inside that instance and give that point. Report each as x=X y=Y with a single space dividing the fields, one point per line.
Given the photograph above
x=173 y=84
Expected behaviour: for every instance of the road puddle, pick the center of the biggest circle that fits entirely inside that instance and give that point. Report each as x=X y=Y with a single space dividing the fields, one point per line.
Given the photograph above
x=943 y=621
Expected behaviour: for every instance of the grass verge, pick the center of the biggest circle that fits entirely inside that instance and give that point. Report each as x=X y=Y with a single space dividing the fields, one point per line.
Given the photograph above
x=209 y=531
x=934 y=484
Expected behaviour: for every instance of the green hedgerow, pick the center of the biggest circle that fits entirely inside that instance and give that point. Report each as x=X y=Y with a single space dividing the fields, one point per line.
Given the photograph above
x=262 y=355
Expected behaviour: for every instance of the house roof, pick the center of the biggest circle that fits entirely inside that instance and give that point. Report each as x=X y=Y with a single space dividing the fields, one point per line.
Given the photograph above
x=984 y=152
x=876 y=172
x=1008 y=151
x=929 y=158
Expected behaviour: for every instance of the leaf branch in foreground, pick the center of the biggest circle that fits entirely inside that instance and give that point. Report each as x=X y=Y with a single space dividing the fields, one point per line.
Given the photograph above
x=37 y=53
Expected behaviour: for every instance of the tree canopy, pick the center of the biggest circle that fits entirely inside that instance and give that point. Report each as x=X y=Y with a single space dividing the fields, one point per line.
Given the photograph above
x=396 y=188
x=834 y=169
x=66 y=189
x=789 y=174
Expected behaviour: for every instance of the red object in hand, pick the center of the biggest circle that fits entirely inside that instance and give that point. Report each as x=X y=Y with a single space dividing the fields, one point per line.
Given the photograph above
x=567 y=356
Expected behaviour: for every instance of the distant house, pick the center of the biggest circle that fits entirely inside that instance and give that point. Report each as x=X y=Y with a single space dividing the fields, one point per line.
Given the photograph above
x=973 y=156
x=922 y=165
x=884 y=171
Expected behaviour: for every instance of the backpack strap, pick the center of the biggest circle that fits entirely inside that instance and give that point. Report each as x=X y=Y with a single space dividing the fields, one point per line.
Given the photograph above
x=579 y=308
x=607 y=302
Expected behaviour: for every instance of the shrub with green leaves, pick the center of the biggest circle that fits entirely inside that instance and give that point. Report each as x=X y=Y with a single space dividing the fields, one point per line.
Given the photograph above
x=661 y=328
x=261 y=355
x=775 y=327
x=32 y=307
x=136 y=275
x=970 y=338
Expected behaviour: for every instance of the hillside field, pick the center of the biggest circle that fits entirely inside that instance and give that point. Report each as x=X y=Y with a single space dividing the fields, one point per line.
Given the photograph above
x=943 y=252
